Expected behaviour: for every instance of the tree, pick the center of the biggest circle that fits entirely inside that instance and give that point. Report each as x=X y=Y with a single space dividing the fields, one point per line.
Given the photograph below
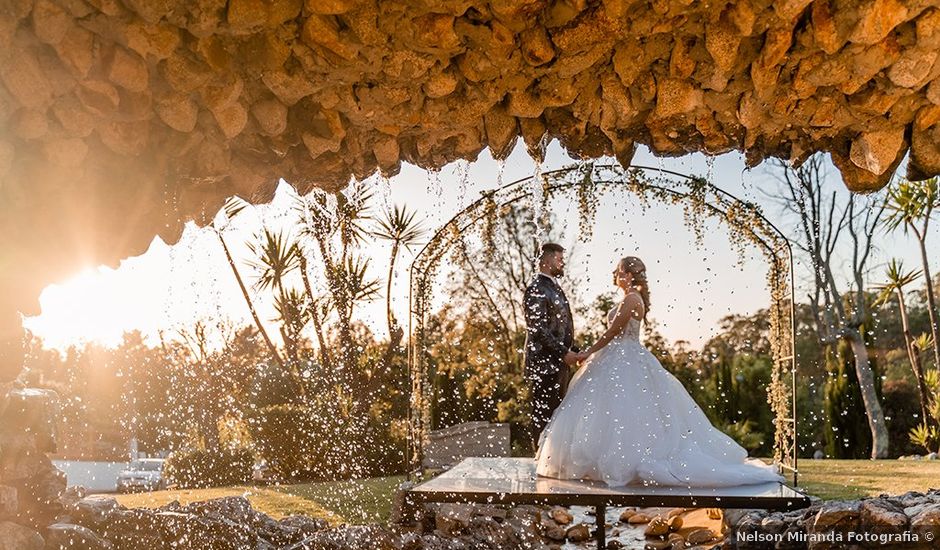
x=399 y=227
x=233 y=207
x=735 y=366
x=824 y=223
x=335 y=223
x=910 y=205
x=275 y=257
x=212 y=366
x=476 y=363
x=894 y=287
x=846 y=436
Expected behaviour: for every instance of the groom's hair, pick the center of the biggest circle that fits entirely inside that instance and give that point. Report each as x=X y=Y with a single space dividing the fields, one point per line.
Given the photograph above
x=550 y=248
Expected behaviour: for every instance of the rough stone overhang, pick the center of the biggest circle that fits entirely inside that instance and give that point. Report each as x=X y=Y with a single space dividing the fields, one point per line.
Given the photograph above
x=122 y=119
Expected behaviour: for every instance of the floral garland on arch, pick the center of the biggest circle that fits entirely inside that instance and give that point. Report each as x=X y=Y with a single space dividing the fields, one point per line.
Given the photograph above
x=700 y=201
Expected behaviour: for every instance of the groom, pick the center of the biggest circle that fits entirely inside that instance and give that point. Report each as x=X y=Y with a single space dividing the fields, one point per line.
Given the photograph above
x=549 y=338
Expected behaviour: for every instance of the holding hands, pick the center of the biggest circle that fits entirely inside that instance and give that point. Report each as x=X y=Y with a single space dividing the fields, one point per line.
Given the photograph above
x=572 y=358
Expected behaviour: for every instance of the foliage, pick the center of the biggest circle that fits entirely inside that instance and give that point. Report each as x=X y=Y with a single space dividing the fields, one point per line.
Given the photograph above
x=340 y=410
x=331 y=434
x=399 y=227
x=910 y=202
x=847 y=435
x=289 y=439
x=476 y=362
x=823 y=225
x=902 y=412
x=743 y=432
x=927 y=435
x=911 y=205
x=201 y=468
x=894 y=288
x=322 y=440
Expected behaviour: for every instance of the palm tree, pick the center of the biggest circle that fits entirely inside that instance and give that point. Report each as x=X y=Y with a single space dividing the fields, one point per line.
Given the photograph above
x=894 y=286
x=910 y=205
x=317 y=308
x=400 y=228
x=323 y=218
x=275 y=257
x=360 y=287
x=233 y=207
x=290 y=307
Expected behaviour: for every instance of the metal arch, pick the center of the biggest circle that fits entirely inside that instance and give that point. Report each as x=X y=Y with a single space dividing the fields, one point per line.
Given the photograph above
x=422 y=267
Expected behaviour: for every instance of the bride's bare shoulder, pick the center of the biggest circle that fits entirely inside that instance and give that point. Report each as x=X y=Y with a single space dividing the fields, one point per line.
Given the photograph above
x=632 y=298
x=633 y=302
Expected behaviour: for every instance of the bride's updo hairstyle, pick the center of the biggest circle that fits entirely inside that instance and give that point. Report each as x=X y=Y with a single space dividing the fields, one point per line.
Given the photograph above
x=635 y=267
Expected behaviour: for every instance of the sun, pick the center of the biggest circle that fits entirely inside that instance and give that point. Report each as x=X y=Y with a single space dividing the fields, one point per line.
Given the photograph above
x=99 y=304
x=84 y=308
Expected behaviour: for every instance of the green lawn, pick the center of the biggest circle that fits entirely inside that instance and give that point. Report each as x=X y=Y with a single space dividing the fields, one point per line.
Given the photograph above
x=848 y=479
x=368 y=500
x=358 y=501
x=352 y=502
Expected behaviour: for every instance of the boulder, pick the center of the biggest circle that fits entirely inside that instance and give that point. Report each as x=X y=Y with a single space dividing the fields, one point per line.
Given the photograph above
x=65 y=536
x=578 y=533
x=839 y=516
x=656 y=527
x=94 y=511
x=926 y=524
x=8 y=502
x=881 y=516
x=561 y=516
x=17 y=537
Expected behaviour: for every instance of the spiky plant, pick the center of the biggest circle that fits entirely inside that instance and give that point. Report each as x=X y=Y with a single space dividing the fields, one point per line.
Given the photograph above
x=911 y=205
x=232 y=208
x=398 y=226
x=897 y=279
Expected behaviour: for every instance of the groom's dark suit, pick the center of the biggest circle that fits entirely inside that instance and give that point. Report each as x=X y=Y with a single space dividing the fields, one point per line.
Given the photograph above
x=549 y=335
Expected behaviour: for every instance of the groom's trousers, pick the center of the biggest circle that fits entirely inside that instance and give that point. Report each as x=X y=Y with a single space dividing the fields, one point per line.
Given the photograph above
x=547 y=389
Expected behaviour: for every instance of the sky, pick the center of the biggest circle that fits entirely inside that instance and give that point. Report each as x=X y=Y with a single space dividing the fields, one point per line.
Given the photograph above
x=692 y=287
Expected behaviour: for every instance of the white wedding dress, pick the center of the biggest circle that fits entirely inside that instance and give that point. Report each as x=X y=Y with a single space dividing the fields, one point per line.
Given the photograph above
x=627 y=420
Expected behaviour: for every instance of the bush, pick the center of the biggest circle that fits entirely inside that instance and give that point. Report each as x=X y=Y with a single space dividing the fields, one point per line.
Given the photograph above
x=287 y=438
x=902 y=414
x=201 y=468
x=318 y=441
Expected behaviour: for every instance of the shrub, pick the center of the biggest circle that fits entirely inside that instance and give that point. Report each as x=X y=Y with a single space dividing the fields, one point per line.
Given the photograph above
x=200 y=468
x=287 y=438
x=320 y=441
x=901 y=404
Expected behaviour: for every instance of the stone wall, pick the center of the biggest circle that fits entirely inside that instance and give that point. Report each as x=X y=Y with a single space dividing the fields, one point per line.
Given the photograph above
x=30 y=486
x=96 y=523
x=908 y=521
x=122 y=119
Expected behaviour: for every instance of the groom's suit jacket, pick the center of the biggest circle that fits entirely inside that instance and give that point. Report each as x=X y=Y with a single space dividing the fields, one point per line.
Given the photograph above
x=549 y=328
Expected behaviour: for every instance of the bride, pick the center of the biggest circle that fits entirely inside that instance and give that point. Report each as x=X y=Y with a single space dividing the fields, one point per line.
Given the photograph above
x=627 y=420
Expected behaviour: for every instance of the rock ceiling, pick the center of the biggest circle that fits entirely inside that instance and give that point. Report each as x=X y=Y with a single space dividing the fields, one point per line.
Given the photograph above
x=122 y=119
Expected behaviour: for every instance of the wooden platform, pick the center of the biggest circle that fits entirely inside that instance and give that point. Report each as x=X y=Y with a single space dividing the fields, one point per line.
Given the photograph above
x=513 y=481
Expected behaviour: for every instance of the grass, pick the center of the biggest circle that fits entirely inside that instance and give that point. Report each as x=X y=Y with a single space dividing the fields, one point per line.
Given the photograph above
x=851 y=479
x=358 y=501
x=369 y=500
x=352 y=502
